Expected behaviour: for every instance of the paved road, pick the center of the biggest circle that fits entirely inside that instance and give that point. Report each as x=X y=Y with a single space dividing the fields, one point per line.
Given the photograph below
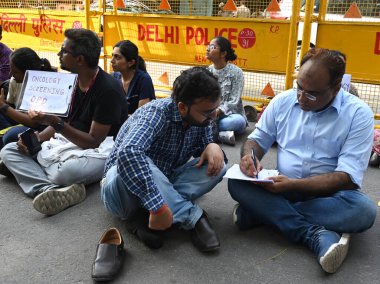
x=60 y=249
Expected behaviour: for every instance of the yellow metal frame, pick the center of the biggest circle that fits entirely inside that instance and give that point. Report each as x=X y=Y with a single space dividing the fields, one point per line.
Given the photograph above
x=292 y=44
x=291 y=48
x=322 y=10
x=377 y=117
x=307 y=27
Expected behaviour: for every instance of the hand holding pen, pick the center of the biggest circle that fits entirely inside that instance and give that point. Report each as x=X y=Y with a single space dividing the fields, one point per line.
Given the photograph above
x=253 y=154
x=250 y=165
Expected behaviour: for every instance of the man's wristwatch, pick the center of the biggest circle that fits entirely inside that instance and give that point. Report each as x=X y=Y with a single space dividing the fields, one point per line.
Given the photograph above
x=4 y=108
x=58 y=127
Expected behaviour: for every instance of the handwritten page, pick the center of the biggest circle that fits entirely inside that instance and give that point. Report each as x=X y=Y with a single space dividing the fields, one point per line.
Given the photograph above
x=49 y=92
x=235 y=173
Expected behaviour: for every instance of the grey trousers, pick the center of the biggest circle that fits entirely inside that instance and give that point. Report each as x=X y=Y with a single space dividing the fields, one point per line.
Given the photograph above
x=34 y=179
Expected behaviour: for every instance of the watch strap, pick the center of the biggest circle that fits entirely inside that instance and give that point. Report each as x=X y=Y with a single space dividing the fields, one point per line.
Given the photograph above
x=58 y=127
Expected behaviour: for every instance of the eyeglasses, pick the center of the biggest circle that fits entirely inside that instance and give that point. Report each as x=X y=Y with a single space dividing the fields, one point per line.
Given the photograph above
x=211 y=47
x=65 y=51
x=311 y=96
x=208 y=114
x=306 y=94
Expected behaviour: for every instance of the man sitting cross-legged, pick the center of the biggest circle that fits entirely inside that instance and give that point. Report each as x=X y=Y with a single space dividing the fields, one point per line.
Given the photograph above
x=324 y=137
x=56 y=177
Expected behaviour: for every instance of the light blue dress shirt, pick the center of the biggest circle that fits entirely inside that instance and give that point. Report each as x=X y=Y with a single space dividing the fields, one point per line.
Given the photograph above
x=311 y=143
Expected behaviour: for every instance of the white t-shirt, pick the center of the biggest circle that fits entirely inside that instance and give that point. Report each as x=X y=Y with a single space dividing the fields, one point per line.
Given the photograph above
x=13 y=92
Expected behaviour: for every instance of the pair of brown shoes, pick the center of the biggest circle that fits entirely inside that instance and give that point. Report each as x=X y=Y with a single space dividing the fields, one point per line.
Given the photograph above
x=109 y=257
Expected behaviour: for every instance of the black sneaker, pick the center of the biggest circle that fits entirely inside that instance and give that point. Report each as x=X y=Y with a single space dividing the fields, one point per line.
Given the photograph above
x=138 y=225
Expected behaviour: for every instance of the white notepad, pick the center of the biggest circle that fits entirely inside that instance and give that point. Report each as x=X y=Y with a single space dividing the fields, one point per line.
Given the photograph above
x=235 y=173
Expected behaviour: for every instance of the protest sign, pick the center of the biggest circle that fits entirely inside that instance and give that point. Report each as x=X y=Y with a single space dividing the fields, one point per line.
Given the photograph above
x=48 y=92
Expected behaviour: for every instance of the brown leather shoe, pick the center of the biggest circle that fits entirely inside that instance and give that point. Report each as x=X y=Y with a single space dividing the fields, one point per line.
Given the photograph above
x=109 y=256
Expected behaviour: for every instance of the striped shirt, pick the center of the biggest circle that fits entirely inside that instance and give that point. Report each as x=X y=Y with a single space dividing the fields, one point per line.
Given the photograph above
x=156 y=131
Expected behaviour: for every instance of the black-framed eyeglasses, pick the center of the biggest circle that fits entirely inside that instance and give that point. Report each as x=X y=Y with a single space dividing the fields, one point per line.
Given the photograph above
x=312 y=96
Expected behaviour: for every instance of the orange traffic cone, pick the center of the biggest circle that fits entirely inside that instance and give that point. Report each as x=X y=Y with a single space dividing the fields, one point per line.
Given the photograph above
x=353 y=11
x=230 y=6
x=273 y=7
x=120 y=4
x=268 y=91
x=164 y=5
x=164 y=78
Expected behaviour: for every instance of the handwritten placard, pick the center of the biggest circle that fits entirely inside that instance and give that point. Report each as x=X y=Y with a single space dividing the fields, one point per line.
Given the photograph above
x=49 y=92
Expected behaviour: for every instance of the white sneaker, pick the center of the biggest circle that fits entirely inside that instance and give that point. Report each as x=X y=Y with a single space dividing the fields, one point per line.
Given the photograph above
x=54 y=201
x=234 y=214
x=227 y=137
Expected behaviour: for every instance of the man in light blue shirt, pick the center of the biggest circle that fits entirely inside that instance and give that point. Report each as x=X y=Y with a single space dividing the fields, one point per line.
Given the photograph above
x=324 y=137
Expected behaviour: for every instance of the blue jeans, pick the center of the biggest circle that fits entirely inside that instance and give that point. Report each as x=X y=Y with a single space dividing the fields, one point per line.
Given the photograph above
x=5 y=121
x=186 y=184
x=12 y=134
x=233 y=122
x=299 y=216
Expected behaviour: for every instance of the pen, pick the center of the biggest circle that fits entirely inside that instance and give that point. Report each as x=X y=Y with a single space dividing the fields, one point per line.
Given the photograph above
x=254 y=162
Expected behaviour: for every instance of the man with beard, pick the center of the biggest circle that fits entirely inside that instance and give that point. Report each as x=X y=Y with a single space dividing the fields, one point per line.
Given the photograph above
x=74 y=149
x=324 y=137
x=151 y=180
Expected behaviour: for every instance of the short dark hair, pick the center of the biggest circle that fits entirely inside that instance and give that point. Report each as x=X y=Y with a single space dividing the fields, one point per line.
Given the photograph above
x=130 y=51
x=85 y=42
x=25 y=58
x=225 y=45
x=195 y=83
x=333 y=60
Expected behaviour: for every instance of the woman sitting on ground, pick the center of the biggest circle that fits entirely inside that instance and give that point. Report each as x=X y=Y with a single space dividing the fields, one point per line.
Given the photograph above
x=130 y=69
x=21 y=59
x=231 y=116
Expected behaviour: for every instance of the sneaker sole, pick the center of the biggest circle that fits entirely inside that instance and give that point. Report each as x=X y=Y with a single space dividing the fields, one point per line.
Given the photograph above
x=335 y=255
x=54 y=201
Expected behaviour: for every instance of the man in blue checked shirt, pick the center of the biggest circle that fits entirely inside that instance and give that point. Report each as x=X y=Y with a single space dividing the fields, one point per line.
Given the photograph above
x=163 y=159
x=324 y=137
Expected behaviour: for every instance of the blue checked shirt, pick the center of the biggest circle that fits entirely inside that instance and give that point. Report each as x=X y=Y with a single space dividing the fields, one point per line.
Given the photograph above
x=155 y=131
